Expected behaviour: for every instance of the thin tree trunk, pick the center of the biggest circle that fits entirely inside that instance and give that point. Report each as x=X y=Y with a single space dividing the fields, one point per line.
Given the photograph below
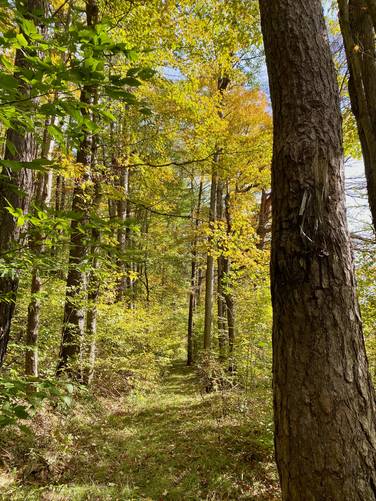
x=43 y=200
x=74 y=312
x=222 y=84
x=122 y=214
x=372 y=10
x=194 y=284
x=33 y=317
x=359 y=40
x=221 y=305
x=93 y=280
x=16 y=185
x=228 y=296
x=93 y=295
x=324 y=402
x=209 y=278
x=264 y=218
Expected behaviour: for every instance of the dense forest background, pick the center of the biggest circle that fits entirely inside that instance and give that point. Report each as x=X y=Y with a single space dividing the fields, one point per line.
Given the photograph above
x=135 y=206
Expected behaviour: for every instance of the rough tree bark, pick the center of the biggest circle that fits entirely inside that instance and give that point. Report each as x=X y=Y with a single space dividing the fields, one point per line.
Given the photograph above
x=324 y=402
x=16 y=185
x=359 y=41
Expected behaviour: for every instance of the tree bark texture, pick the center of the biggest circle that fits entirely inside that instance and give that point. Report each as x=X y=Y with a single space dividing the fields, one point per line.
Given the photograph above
x=16 y=185
x=324 y=402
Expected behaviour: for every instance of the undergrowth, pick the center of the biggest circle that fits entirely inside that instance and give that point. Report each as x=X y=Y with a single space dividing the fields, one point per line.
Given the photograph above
x=173 y=442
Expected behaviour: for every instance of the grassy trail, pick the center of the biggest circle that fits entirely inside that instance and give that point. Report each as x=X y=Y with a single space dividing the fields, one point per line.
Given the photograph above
x=173 y=444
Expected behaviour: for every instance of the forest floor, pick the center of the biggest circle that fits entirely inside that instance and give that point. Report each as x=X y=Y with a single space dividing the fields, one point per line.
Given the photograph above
x=175 y=443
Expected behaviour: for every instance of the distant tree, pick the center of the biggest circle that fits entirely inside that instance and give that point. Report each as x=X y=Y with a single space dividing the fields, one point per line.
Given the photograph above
x=74 y=314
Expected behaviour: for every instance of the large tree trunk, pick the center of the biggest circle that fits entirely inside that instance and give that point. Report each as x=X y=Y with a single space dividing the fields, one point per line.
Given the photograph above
x=16 y=185
x=324 y=402
x=74 y=311
x=359 y=40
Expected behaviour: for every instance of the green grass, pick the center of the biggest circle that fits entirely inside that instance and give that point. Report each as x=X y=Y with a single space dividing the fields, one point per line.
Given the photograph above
x=173 y=444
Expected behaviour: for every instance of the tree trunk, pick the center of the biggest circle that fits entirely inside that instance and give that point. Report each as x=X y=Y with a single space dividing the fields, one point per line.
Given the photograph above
x=122 y=214
x=228 y=296
x=324 y=402
x=93 y=285
x=222 y=84
x=221 y=305
x=74 y=312
x=372 y=10
x=209 y=278
x=43 y=200
x=93 y=295
x=33 y=316
x=16 y=185
x=194 y=284
x=264 y=218
x=359 y=40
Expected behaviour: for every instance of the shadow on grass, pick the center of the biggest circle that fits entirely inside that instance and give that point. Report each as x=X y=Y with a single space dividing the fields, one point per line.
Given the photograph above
x=174 y=445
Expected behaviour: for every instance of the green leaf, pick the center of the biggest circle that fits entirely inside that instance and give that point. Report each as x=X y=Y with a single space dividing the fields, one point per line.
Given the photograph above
x=21 y=412
x=146 y=73
x=69 y=388
x=8 y=81
x=28 y=26
x=108 y=114
x=6 y=62
x=20 y=41
x=131 y=81
x=67 y=400
x=56 y=133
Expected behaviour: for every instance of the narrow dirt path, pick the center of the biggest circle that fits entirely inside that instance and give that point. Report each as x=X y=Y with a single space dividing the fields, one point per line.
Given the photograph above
x=171 y=445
